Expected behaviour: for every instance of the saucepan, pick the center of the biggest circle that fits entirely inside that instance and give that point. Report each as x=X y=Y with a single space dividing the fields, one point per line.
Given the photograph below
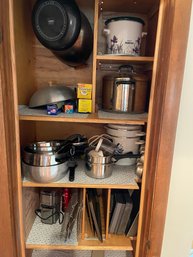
x=101 y=166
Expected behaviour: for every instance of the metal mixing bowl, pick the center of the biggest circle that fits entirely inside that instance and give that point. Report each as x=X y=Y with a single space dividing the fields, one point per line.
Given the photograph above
x=51 y=94
x=44 y=174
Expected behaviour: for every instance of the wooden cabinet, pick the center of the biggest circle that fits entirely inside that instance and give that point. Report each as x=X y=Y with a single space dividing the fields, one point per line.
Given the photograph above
x=26 y=66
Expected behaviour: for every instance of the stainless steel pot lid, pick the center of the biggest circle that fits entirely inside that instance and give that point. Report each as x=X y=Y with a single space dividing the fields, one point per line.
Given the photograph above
x=51 y=94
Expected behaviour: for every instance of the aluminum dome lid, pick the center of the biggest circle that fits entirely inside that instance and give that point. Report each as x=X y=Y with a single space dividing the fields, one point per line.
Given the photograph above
x=51 y=94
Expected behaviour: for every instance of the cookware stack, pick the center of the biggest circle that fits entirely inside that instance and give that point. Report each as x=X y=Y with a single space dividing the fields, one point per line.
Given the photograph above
x=49 y=161
x=39 y=163
x=104 y=152
x=129 y=137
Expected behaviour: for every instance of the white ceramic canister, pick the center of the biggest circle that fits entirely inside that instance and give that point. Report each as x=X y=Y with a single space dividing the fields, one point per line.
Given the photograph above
x=124 y=35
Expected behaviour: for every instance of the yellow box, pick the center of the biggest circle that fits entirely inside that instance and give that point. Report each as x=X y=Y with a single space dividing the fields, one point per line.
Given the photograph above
x=84 y=91
x=84 y=105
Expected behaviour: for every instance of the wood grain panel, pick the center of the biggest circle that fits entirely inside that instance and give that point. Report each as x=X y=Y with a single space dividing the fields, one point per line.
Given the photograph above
x=151 y=36
x=30 y=203
x=148 y=172
x=47 y=131
x=28 y=253
x=165 y=106
x=27 y=132
x=7 y=233
x=24 y=53
x=11 y=137
x=48 y=68
x=170 y=78
x=139 y=6
x=95 y=47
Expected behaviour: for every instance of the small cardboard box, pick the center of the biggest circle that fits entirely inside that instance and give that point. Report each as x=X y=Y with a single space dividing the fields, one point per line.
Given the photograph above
x=84 y=91
x=55 y=108
x=69 y=108
x=85 y=105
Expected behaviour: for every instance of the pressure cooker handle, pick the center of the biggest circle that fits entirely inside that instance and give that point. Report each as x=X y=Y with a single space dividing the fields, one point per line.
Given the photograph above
x=126 y=67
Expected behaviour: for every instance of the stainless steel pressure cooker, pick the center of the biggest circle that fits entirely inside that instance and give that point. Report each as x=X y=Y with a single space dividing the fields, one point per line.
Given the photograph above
x=126 y=92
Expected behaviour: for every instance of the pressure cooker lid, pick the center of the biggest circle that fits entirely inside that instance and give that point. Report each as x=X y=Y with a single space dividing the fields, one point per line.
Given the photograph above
x=124 y=79
x=56 y=23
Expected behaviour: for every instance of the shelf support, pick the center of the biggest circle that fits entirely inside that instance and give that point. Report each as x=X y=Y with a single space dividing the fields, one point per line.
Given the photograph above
x=95 y=46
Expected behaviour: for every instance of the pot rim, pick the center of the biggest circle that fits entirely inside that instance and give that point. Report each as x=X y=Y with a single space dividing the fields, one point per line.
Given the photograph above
x=128 y=18
x=124 y=129
x=135 y=137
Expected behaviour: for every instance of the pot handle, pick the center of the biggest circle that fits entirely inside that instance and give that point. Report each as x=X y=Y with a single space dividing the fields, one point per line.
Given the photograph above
x=127 y=155
x=126 y=67
x=106 y=32
x=140 y=142
x=144 y=34
x=141 y=134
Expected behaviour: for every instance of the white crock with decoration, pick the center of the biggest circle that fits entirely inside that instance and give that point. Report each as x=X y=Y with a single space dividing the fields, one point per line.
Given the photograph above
x=124 y=35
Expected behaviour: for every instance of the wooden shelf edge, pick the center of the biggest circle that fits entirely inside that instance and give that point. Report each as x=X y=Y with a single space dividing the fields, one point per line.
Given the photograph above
x=93 y=118
x=122 y=243
x=87 y=120
x=68 y=185
x=142 y=59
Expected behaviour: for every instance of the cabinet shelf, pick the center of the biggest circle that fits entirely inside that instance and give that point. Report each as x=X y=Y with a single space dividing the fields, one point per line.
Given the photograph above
x=43 y=236
x=78 y=253
x=102 y=117
x=123 y=177
x=108 y=58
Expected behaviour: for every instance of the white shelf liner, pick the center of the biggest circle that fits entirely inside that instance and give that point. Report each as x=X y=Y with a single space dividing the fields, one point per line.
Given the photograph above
x=42 y=253
x=45 y=234
x=121 y=175
x=121 y=116
x=26 y=111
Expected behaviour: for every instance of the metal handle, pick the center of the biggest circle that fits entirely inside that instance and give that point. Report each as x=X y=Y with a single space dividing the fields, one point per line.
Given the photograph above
x=128 y=67
x=131 y=97
x=71 y=174
x=127 y=155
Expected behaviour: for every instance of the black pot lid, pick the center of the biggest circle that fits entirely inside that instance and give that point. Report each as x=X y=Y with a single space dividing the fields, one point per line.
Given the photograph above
x=56 y=23
x=123 y=18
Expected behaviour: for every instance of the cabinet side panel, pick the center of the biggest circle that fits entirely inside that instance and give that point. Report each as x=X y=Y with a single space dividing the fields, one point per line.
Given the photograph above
x=23 y=50
x=7 y=233
x=30 y=204
x=164 y=113
x=10 y=107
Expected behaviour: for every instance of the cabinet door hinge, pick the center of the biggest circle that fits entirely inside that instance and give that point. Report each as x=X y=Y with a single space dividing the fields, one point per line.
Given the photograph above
x=148 y=244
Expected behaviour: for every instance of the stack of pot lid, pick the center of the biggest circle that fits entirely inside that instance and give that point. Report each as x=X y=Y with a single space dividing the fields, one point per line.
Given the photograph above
x=129 y=137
